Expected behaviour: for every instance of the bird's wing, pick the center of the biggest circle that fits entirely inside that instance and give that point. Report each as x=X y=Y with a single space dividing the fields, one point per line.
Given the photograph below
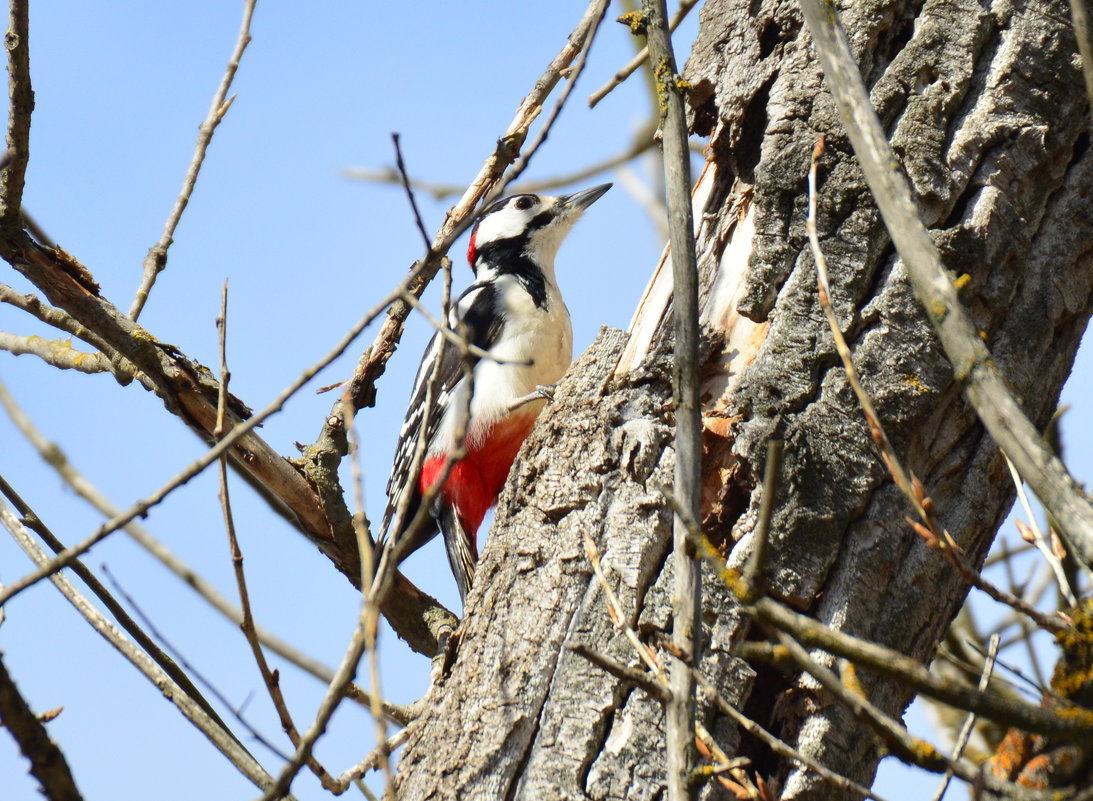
x=474 y=316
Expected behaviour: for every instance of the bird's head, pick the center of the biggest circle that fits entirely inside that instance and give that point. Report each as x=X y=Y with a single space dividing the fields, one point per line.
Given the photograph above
x=527 y=227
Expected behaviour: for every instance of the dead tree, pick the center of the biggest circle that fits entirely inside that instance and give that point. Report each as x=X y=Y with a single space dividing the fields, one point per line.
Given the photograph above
x=984 y=106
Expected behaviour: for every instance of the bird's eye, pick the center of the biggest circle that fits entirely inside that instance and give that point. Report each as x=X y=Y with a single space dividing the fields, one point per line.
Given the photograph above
x=524 y=203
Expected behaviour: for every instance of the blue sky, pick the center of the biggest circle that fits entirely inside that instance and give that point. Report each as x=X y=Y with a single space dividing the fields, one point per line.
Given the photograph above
x=121 y=88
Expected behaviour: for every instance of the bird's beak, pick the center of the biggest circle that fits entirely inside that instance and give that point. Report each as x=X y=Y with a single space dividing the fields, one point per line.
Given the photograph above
x=583 y=199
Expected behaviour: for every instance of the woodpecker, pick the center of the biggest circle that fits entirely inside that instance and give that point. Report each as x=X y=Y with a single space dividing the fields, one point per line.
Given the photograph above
x=514 y=312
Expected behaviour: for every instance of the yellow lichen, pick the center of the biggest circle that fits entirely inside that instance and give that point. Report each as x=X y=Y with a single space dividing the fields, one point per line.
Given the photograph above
x=850 y=680
x=664 y=77
x=636 y=21
x=1073 y=677
x=924 y=751
x=915 y=382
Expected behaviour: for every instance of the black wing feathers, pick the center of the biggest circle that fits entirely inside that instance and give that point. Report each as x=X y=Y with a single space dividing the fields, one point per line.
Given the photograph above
x=481 y=324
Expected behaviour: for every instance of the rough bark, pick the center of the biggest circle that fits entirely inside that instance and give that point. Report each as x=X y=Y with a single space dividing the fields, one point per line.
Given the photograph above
x=984 y=105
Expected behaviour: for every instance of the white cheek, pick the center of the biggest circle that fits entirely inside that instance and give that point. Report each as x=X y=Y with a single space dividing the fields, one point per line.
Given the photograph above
x=502 y=224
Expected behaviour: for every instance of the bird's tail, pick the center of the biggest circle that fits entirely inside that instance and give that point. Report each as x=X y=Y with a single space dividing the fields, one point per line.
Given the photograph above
x=462 y=550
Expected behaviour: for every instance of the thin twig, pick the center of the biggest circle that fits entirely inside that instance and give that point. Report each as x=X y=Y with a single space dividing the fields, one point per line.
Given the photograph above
x=33 y=522
x=52 y=454
x=928 y=528
x=1037 y=538
x=122 y=368
x=972 y=363
x=779 y=746
x=1080 y=20
x=1026 y=630
x=368 y=557
x=401 y=166
x=156 y=260
x=517 y=169
x=467 y=347
x=643 y=55
x=642 y=678
x=642 y=142
x=269 y=677
x=772 y=472
x=47 y=762
x=969 y=722
x=686 y=593
x=618 y=616
x=54 y=352
x=220 y=738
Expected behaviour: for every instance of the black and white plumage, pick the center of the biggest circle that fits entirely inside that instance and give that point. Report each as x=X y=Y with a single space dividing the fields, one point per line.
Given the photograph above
x=514 y=312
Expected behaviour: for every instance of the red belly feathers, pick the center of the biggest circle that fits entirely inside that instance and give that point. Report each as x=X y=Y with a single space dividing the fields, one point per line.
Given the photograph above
x=476 y=479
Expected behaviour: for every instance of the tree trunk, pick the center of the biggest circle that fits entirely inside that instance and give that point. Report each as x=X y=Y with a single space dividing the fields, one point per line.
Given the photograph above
x=984 y=105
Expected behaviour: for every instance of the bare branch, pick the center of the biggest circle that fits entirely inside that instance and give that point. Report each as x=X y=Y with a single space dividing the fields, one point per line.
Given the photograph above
x=1074 y=722
x=642 y=142
x=643 y=55
x=753 y=573
x=972 y=363
x=156 y=260
x=56 y=458
x=969 y=721
x=220 y=738
x=54 y=352
x=405 y=178
x=780 y=747
x=122 y=369
x=929 y=529
x=20 y=107
x=33 y=522
x=686 y=594
x=47 y=763
x=1080 y=20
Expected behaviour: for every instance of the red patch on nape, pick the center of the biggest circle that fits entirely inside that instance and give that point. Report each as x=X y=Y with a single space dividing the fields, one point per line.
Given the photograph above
x=472 y=246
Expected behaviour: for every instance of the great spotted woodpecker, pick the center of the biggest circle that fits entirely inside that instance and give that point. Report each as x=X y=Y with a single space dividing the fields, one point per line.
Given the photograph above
x=514 y=313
